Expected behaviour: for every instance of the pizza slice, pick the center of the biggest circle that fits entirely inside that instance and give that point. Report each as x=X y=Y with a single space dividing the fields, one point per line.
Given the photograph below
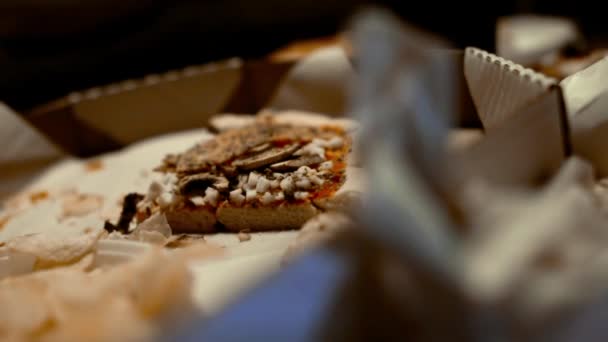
x=268 y=174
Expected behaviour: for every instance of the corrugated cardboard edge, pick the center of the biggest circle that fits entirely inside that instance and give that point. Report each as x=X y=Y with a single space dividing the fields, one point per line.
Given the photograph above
x=23 y=143
x=104 y=118
x=464 y=112
x=174 y=101
x=62 y=126
x=499 y=87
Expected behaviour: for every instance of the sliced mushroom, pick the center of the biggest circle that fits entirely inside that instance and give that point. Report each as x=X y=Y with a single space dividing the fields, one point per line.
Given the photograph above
x=229 y=170
x=198 y=183
x=270 y=156
x=222 y=184
x=294 y=164
x=260 y=148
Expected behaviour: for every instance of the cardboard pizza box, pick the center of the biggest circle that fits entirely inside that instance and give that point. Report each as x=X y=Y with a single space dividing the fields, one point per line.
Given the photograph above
x=109 y=117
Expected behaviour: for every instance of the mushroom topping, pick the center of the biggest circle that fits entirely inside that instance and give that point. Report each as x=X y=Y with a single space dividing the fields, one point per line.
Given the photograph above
x=222 y=148
x=260 y=148
x=267 y=157
x=294 y=164
x=229 y=170
x=222 y=184
x=197 y=184
x=234 y=143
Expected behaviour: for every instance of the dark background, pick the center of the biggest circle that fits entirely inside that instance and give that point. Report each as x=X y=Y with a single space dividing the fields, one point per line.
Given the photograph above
x=51 y=47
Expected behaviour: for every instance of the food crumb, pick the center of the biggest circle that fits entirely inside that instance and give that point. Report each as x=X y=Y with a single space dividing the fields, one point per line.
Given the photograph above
x=93 y=165
x=244 y=236
x=38 y=196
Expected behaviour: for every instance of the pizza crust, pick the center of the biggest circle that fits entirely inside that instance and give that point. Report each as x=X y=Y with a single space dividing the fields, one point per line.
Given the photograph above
x=239 y=178
x=282 y=217
x=200 y=220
